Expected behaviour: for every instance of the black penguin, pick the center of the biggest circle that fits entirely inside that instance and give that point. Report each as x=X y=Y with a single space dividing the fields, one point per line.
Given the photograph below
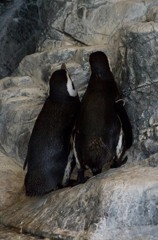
x=103 y=127
x=49 y=155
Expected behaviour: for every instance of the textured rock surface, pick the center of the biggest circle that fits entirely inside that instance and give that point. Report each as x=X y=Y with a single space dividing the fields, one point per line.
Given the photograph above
x=94 y=22
x=121 y=199
x=21 y=101
x=130 y=233
x=4 y=5
x=11 y=183
x=139 y=81
x=20 y=27
x=8 y=234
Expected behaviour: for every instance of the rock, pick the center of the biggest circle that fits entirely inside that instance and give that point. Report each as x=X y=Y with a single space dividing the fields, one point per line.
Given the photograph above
x=4 y=4
x=12 y=178
x=20 y=28
x=21 y=101
x=93 y=22
x=152 y=161
x=139 y=81
x=129 y=233
x=96 y=23
x=152 y=14
x=54 y=39
x=124 y=199
x=8 y=234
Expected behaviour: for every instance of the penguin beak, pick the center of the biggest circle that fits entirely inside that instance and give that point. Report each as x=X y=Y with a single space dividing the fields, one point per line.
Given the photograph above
x=63 y=66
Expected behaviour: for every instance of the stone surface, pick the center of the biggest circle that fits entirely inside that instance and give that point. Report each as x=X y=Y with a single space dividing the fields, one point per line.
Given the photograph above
x=7 y=234
x=94 y=22
x=130 y=233
x=20 y=28
x=11 y=183
x=139 y=81
x=123 y=198
x=21 y=101
x=4 y=5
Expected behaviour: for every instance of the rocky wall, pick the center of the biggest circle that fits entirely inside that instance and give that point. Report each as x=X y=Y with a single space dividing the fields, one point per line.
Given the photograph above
x=21 y=23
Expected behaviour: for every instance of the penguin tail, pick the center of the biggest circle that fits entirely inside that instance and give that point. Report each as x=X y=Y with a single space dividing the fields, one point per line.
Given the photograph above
x=99 y=154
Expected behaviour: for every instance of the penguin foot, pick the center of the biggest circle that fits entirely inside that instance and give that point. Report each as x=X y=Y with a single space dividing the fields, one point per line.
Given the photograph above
x=80 y=177
x=117 y=164
x=96 y=171
x=71 y=183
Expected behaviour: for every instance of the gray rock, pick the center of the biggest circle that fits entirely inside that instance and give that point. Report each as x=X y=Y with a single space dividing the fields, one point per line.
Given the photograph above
x=4 y=4
x=21 y=101
x=92 y=22
x=121 y=199
x=130 y=233
x=11 y=184
x=7 y=234
x=152 y=14
x=152 y=161
x=139 y=81
x=20 y=28
x=95 y=23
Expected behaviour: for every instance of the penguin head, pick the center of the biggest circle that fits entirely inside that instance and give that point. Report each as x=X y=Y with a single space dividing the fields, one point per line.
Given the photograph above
x=61 y=85
x=99 y=63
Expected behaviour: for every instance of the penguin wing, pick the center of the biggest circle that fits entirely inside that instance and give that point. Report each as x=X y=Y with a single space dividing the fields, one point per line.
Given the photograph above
x=125 y=122
x=121 y=148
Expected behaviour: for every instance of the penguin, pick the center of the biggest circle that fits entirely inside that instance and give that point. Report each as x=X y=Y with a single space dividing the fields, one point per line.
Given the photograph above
x=49 y=157
x=103 y=130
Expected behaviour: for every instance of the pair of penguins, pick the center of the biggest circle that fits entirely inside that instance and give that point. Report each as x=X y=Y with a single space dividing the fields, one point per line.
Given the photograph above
x=101 y=135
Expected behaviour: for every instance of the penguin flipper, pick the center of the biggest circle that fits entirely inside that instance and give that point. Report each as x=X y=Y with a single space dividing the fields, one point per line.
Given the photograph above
x=126 y=125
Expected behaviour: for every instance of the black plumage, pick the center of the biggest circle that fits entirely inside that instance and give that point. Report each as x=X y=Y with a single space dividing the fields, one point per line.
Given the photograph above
x=101 y=133
x=50 y=142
